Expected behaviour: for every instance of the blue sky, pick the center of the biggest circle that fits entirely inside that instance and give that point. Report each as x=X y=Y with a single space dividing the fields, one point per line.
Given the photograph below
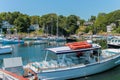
x=82 y=8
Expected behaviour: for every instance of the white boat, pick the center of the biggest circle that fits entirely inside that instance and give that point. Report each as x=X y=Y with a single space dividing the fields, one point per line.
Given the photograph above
x=67 y=63
x=59 y=39
x=1 y=38
x=13 y=70
x=37 y=42
x=114 y=42
x=6 y=75
x=5 y=49
x=51 y=38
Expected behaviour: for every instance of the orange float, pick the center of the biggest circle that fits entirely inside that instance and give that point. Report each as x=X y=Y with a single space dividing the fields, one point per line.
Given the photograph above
x=79 y=45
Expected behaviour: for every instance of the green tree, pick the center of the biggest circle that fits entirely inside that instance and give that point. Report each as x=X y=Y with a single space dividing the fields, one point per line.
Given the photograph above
x=22 y=23
x=72 y=24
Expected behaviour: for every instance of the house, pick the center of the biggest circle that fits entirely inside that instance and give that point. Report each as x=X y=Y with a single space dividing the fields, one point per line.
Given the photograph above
x=110 y=27
x=34 y=27
x=88 y=23
x=6 y=25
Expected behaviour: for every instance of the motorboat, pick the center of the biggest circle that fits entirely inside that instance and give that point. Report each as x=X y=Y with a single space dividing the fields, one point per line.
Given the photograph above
x=114 y=43
x=40 y=40
x=74 y=60
x=60 y=39
x=12 y=41
x=6 y=75
x=1 y=37
x=29 y=38
x=6 y=49
x=13 y=70
x=51 y=38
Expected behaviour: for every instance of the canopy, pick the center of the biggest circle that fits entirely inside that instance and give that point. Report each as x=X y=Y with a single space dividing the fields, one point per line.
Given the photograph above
x=66 y=49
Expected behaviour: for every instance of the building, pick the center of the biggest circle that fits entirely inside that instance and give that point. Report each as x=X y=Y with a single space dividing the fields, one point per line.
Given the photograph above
x=110 y=27
x=6 y=25
x=34 y=27
x=88 y=23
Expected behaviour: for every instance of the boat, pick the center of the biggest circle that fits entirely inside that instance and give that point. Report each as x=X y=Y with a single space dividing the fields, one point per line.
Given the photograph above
x=60 y=39
x=37 y=42
x=1 y=37
x=69 y=39
x=12 y=41
x=114 y=42
x=6 y=75
x=13 y=70
x=6 y=49
x=40 y=40
x=29 y=38
x=51 y=38
x=67 y=63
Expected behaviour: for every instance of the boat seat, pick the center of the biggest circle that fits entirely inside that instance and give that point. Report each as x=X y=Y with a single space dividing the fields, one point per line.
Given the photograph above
x=44 y=64
x=52 y=64
x=35 y=67
x=73 y=58
x=61 y=63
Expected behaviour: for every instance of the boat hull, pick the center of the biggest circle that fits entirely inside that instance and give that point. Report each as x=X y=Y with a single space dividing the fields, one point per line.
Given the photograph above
x=5 y=49
x=113 y=46
x=81 y=71
x=12 y=41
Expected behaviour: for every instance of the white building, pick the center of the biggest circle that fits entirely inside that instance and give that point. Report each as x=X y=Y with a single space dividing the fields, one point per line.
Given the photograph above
x=110 y=27
x=34 y=27
x=7 y=25
x=88 y=23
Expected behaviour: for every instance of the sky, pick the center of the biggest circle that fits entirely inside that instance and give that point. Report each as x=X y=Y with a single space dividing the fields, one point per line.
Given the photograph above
x=82 y=8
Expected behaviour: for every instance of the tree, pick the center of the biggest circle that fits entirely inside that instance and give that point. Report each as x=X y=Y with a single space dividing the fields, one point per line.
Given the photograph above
x=22 y=23
x=34 y=19
x=72 y=23
x=92 y=19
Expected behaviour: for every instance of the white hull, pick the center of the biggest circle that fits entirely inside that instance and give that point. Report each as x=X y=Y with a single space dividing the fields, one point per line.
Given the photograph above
x=5 y=49
x=80 y=71
x=40 y=42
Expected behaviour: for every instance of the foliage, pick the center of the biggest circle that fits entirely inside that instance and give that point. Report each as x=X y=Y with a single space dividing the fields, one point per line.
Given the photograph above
x=92 y=19
x=66 y=25
x=104 y=19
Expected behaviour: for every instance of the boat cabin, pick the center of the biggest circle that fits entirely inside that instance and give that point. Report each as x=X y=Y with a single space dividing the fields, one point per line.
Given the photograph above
x=64 y=57
x=114 y=43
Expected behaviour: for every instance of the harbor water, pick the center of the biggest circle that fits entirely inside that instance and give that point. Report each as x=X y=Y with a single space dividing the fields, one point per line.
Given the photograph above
x=33 y=53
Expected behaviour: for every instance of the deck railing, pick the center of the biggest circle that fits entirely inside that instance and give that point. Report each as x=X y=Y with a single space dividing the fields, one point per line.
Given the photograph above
x=5 y=76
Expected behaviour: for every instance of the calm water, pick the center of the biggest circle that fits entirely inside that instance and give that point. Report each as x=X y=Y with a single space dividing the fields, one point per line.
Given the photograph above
x=34 y=53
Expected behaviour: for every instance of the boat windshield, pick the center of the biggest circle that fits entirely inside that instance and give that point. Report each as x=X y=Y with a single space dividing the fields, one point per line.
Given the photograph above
x=50 y=55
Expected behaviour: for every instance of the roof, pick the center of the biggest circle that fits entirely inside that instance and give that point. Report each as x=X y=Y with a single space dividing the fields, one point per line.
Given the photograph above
x=12 y=62
x=66 y=49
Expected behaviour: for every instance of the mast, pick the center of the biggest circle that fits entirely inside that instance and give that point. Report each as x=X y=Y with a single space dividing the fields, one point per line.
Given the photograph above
x=57 y=26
